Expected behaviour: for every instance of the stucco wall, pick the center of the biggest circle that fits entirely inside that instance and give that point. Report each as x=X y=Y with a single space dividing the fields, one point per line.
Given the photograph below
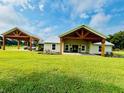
x=90 y=47
x=108 y=49
x=94 y=49
x=48 y=46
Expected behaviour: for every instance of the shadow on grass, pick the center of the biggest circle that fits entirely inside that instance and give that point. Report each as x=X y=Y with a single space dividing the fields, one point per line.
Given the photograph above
x=55 y=83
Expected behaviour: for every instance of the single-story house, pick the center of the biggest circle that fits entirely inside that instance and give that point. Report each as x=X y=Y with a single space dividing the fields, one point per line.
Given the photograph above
x=95 y=48
x=82 y=39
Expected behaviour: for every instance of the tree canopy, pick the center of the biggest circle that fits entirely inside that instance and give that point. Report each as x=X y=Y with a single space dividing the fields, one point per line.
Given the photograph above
x=117 y=39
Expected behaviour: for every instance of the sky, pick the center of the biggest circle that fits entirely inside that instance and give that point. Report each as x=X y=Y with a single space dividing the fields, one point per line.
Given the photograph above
x=50 y=18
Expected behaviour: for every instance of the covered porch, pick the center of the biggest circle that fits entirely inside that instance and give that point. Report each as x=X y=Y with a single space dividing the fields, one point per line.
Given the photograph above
x=76 y=46
x=19 y=35
x=78 y=40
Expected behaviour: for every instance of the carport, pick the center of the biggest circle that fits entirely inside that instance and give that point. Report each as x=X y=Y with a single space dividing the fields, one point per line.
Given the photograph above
x=19 y=35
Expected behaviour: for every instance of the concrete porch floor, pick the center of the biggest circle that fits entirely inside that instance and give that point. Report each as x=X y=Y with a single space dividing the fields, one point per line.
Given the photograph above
x=78 y=54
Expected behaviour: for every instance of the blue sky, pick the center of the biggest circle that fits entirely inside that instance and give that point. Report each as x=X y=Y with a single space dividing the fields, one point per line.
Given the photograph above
x=50 y=18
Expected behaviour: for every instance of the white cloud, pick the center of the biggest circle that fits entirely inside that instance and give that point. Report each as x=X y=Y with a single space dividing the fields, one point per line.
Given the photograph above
x=117 y=12
x=23 y=3
x=99 y=20
x=52 y=39
x=41 y=7
x=84 y=16
x=47 y=32
x=41 y=4
x=113 y=29
x=42 y=1
x=10 y=18
x=86 y=5
x=48 y=29
x=21 y=10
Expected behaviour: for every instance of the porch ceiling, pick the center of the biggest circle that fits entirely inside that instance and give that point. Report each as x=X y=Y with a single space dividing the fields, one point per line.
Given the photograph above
x=83 y=32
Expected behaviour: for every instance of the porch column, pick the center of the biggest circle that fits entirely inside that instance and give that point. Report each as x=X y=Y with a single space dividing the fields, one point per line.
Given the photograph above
x=30 y=43
x=61 y=45
x=4 y=41
x=18 y=44
x=27 y=43
x=103 y=48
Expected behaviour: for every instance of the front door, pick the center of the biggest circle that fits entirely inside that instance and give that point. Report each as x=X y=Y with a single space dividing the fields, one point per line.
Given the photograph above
x=75 y=48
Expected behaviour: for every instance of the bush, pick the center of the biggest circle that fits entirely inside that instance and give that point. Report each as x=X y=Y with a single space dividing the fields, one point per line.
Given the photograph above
x=116 y=49
x=109 y=54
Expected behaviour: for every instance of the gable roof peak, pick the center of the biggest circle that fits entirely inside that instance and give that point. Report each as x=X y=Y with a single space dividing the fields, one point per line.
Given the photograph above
x=86 y=27
x=22 y=30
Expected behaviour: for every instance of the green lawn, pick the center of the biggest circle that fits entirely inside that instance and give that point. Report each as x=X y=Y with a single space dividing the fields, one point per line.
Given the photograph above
x=119 y=53
x=29 y=72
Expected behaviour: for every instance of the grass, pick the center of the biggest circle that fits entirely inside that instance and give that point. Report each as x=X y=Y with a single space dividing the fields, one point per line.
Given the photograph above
x=29 y=72
x=119 y=53
x=14 y=48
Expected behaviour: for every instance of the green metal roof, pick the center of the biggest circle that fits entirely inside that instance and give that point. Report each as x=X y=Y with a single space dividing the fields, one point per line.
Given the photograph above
x=86 y=27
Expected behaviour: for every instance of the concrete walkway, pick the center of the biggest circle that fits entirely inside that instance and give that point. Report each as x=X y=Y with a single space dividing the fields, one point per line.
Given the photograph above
x=79 y=54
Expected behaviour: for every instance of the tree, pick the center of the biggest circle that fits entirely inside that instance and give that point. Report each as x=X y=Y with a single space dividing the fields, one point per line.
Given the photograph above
x=117 y=39
x=0 y=42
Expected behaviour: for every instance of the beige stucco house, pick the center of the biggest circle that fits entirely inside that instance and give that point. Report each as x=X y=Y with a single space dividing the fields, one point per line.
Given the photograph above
x=85 y=48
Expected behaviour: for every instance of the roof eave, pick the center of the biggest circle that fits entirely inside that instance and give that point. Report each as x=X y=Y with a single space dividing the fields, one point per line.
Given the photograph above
x=9 y=31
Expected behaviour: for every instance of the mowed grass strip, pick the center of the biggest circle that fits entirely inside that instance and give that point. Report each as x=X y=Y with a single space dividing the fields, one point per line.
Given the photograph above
x=29 y=72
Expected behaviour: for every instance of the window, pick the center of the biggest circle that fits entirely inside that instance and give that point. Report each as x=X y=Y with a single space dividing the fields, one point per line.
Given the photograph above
x=66 y=47
x=100 y=48
x=53 y=46
x=83 y=48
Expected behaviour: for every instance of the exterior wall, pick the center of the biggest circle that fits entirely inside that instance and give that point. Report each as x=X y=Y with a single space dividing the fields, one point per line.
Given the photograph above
x=90 y=47
x=79 y=43
x=48 y=46
x=94 y=49
x=108 y=49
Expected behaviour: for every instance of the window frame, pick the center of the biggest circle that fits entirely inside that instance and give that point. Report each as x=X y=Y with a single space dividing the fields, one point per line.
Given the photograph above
x=84 y=48
x=65 y=47
x=54 y=48
x=100 y=48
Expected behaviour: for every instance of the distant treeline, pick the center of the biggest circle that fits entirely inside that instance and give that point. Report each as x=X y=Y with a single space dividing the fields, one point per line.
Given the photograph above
x=117 y=39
